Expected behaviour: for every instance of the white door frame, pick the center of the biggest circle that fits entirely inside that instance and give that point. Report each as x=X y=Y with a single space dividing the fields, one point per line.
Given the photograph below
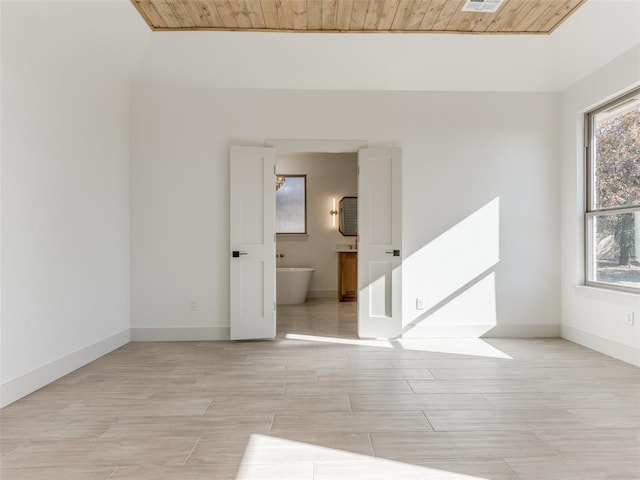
x=316 y=146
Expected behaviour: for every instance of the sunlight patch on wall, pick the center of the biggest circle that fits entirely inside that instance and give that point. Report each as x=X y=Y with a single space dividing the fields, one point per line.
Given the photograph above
x=449 y=281
x=471 y=312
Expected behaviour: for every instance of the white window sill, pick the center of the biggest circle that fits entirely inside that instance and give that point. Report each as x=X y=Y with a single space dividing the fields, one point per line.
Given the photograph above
x=606 y=294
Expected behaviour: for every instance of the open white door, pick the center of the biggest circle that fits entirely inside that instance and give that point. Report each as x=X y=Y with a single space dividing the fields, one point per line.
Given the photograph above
x=252 y=241
x=379 y=242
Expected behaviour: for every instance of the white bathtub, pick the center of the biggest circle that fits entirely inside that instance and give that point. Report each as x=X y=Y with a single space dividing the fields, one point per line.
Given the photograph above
x=292 y=285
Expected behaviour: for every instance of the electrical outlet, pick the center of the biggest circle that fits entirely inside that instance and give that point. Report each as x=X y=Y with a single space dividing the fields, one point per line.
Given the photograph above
x=419 y=304
x=630 y=319
x=193 y=304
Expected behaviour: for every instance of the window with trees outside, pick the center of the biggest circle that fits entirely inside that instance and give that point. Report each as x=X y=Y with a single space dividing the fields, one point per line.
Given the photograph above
x=613 y=194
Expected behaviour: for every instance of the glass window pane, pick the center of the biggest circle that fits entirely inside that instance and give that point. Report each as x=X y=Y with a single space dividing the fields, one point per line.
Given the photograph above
x=615 y=247
x=291 y=205
x=616 y=155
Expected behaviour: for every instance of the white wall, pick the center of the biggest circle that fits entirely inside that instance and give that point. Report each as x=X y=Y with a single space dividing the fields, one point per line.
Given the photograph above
x=470 y=160
x=460 y=152
x=65 y=187
x=329 y=175
x=590 y=316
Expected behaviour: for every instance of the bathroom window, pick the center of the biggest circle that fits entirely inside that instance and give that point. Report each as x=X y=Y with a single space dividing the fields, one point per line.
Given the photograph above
x=613 y=194
x=291 y=204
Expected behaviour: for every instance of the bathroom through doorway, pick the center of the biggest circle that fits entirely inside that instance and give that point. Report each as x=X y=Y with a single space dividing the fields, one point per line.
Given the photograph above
x=310 y=244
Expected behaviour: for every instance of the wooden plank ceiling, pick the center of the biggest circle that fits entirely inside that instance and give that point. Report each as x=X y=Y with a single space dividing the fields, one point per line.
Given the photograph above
x=513 y=16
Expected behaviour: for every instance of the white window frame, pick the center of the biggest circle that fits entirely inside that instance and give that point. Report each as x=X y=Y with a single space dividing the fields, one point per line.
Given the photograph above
x=304 y=212
x=591 y=212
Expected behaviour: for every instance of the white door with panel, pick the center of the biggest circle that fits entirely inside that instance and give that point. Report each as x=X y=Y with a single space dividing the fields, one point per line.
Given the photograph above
x=379 y=242
x=252 y=241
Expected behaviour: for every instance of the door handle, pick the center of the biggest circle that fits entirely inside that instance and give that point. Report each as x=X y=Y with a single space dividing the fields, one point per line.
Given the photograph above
x=236 y=253
x=395 y=253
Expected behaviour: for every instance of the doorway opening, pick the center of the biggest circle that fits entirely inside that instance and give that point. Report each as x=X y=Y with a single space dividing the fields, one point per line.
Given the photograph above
x=252 y=237
x=312 y=243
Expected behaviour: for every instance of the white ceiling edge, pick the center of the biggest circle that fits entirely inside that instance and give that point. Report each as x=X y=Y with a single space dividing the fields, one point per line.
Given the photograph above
x=598 y=32
x=347 y=61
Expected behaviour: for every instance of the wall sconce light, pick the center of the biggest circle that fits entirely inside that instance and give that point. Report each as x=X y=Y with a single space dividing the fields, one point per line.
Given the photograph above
x=334 y=213
x=279 y=181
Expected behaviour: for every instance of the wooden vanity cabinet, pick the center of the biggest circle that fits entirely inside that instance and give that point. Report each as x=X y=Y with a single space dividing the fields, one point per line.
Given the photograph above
x=347 y=276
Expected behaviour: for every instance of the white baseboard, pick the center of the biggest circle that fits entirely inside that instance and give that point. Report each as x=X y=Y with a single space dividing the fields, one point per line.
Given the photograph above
x=603 y=345
x=484 y=331
x=528 y=330
x=30 y=382
x=174 y=334
x=322 y=294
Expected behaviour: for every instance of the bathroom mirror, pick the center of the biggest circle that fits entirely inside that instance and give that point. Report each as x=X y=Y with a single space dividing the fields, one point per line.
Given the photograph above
x=348 y=211
x=291 y=204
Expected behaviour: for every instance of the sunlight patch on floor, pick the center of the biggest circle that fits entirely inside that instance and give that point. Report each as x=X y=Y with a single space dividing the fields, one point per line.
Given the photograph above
x=273 y=457
x=456 y=346
x=343 y=341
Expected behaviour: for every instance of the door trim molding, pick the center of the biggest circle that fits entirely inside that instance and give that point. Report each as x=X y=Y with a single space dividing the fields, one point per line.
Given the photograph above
x=315 y=146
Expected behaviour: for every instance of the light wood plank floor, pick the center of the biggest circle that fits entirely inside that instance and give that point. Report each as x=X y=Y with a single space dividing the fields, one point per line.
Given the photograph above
x=311 y=406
